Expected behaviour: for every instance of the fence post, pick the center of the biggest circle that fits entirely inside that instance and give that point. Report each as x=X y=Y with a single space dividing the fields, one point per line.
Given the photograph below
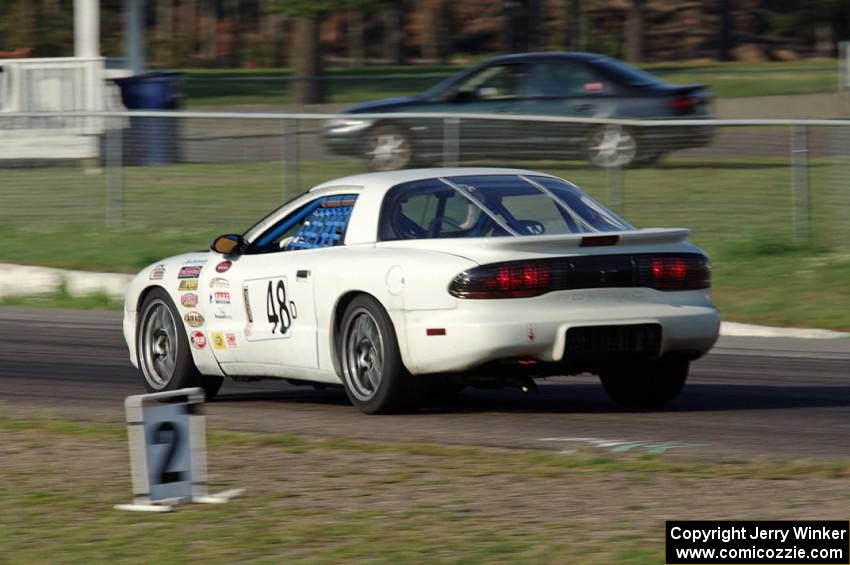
x=451 y=142
x=800 y=183
x=289 y=155
x=114 y=161
x=614 y=182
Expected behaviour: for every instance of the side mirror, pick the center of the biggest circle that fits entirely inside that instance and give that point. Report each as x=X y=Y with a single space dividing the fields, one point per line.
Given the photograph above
x=229 y=244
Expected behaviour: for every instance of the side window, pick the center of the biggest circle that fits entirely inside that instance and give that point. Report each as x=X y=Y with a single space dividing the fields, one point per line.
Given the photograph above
x=556 y=79
x=320 y=223
x=493 y=83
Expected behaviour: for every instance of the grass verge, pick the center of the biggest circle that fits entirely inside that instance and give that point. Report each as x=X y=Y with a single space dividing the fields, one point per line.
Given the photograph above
x=328 y=500
x=739 y=210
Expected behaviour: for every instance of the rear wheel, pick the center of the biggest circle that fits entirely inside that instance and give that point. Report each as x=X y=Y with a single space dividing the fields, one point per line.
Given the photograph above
x=162 y=349
x=374 y=376
x=611 y=147
x=644 y=385
x=388 y=148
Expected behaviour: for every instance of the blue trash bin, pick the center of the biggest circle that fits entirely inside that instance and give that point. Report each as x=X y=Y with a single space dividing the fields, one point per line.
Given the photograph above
x=152 y=141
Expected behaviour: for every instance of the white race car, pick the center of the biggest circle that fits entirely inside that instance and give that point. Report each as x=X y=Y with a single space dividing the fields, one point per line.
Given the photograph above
x=396 y=284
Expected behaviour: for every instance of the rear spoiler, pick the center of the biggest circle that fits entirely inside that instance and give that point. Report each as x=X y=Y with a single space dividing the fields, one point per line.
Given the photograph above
x=650 y=236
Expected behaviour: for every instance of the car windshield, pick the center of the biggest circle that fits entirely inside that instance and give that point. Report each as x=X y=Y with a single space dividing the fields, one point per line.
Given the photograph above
x=492 y=205
x=625 y=74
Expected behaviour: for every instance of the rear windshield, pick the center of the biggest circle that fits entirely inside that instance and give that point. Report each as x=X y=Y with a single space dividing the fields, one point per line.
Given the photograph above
x=492 y=206
x=625 y=74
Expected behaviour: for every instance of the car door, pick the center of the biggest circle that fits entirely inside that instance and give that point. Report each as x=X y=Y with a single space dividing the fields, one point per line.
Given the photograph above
x=261 y=304
x=494 y=89
x=569 y=89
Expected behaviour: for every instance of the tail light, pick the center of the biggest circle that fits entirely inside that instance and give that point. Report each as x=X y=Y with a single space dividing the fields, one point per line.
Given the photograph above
x=519 y=279
x=524 y=279
x=683 y=102
x=679 y=273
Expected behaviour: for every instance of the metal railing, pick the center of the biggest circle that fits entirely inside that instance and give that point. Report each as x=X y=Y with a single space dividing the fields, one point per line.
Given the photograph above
x=213 y=172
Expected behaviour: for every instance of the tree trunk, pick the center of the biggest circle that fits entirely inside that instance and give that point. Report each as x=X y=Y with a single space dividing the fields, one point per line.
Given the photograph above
x=508 y=20
x=574 y=28
x=726 y=40
x=356 y=49
x=165 y=32
x=634 y=31
x=394 y=33
x=536 y=30
x=436 y=44
x=308 y=62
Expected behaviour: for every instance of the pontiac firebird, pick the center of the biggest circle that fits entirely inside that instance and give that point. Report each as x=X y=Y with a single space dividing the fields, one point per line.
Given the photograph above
x=397 y=285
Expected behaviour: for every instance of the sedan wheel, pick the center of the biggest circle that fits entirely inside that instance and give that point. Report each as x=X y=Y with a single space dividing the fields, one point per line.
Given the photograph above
x=162 y=349
x=374 y=375
x=388 y=148
x=610 y=147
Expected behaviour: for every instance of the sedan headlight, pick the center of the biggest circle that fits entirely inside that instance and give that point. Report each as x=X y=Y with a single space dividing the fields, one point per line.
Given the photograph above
x=346 y=125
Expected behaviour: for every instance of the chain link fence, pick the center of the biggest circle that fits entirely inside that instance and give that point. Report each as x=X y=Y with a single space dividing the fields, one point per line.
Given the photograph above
x=181 y=178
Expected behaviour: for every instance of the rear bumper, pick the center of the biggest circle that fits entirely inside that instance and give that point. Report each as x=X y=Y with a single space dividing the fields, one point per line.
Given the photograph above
x=482 y=331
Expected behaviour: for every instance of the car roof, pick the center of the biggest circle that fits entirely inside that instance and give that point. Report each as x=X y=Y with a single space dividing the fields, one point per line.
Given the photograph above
x=546 y=55
x=383 y=181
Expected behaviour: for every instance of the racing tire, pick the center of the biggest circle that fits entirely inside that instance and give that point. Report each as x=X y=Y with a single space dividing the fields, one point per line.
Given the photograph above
x=645 y=385
x=373 y=373
x=388 y=148
x=162 y=349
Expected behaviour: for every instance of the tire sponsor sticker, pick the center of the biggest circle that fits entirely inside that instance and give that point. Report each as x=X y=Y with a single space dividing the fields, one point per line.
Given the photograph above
x=191 y=272
x=220 y=297
x=194 y=319
x=224 y=266
x=157 y=273
x=219 y=283
x=188 y=285
x=218 y=341
x=189 y=300
x=231 y=340
x=199 y=340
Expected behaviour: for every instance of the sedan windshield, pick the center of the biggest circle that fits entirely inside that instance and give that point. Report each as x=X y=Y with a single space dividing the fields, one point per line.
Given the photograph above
x=492 y=205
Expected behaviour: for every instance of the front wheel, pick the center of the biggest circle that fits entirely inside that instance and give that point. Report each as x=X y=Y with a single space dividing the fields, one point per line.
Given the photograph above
x=162 y=349
x=645 y=385
x=375 y=378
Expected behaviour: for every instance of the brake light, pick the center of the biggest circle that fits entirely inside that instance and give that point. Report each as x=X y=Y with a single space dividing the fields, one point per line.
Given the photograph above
x=679 y=273
x=523 y=279
x=512 y=280
x=683 y=102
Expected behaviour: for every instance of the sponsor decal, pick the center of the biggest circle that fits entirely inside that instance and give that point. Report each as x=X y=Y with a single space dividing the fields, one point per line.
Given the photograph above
x=188 y=285
x=199 y=340
x=196 y=262
x=194 y=319
x=219 y=283
x=157 y=273
x=224 y=266
x=222 y=315
x=220 y=297
x=231 y=340
x=218 y=341
x=189 y=272
x=189 y=300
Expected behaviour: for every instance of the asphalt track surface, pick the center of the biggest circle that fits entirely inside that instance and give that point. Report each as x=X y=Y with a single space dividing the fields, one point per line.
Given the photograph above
x=763 y=398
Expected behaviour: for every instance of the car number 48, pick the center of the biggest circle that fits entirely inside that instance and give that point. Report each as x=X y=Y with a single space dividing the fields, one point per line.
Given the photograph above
x=281 y=312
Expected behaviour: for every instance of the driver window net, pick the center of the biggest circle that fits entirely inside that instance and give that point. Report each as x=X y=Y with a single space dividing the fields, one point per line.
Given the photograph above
x=325 y=227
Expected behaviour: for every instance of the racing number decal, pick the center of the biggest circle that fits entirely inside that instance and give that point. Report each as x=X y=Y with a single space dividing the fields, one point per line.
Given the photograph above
x=281 y=312
x=276 y=308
